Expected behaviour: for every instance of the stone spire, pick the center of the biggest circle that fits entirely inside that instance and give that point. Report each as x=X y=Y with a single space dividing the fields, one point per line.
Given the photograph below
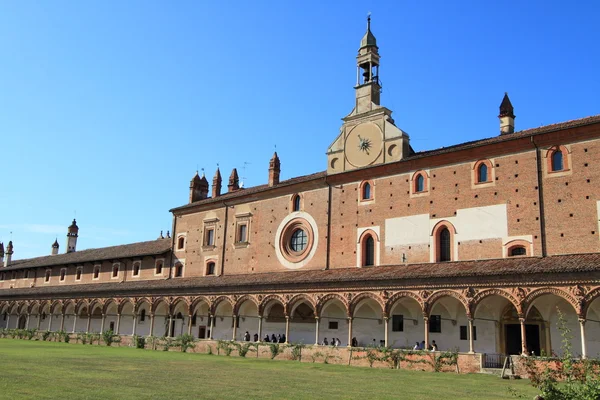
x=507 y=116
x=234 y=181
x=216 y=186
x=55 y=247
x=368 y=89
x=9 y=253
x=274 y=170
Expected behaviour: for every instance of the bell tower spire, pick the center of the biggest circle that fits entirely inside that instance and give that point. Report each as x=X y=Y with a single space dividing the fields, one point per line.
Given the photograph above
x=368 y=87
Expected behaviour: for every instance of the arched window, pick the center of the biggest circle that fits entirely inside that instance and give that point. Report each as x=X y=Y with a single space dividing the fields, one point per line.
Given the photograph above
x=482 y=173
x=369 y=251
x=136 y=269
x=366 y=191
x=180 y=243
x=78 y=274
x=420 y=183
x=96 y=272
x=47 y=277
x=178 y=270
x=115 y=271
x=143 y=315
x=518 y=251
x=210 y=268
x=557 y=160
x=296 y=203
x=159 y=266
x=444 y=245
x=63 y=273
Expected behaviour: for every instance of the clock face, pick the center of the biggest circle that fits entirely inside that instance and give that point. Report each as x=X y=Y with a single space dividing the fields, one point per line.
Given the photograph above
x=363 y=144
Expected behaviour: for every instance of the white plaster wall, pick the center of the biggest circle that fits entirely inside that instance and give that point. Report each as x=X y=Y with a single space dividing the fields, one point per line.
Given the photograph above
x=367 y=325
x=273 y=328
x=247 y=323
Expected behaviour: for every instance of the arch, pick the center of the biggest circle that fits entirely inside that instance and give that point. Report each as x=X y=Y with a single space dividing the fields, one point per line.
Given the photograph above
x=389 y=304
x=419 y=182
x=107 y=305
x=181 y=242
x=549 y=290
x=483 y=172
x=80 y=304
x=67 y=304
x=197 y=301
x=588 y=300
x=478 y=298
x=140 y=302
x=22 y=306
x=157 y=302
x=557 y=158
x=291 y=305
x=123 y=303
x=366 y=191
x=267 y=299
x=436 y=296
x=330 y=297
x=13 y=308
x=176 y=301
x=296 y=203
x=356 y=300
x=55 y=303
x=178 y=270
x=443 y=241
x=32 y=305
x=96 y=303
x=242 y=300
x=218 y=301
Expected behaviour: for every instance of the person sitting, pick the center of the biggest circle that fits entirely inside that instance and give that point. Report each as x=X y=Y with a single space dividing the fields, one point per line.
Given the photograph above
x=282 y=339
x=423 y=346
x=266 y=339
x=325 y=342
x=434 y=346
x=256 y=337
x=247 y=336
x=338 y=342
x=417 y=346
x=334 y=342
x=273 y=338
x=354 y=342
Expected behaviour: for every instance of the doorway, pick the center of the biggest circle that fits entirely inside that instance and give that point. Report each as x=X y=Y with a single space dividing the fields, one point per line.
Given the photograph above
x=513 y=338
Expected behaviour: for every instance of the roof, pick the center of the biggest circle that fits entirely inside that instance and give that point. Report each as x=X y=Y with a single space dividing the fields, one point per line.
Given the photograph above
x=427 y=153
x=369 y=38
x=539 y=269
x=154 y=247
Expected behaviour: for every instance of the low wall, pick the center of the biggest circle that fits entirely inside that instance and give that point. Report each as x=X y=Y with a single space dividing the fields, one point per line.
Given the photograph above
x=526 y=366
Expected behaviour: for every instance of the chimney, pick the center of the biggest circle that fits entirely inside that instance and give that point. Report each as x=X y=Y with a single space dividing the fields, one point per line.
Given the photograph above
x=507 y=116
x=9 y=253
x=234 y=181
x=198 y=188
x=55 y=247
x=274 y=170
x=216 y=187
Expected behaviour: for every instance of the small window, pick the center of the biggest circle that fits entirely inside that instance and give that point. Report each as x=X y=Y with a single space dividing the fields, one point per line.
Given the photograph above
x=136 y=269
x=464 y=332
x=435 y=324
x=482 y=173
x=47 y=276
x=78 y=274
x=115 y=271
x=420 y=183
x=210 y=268
x=557 y=160
x=96 y=272
x=143 y=315
x=63 y=273
x=518 y=251
x=333 y=325
x=296 y=203
x=444 y=245
x=242 y=234
x=397 y=323
x=178 y=270
x=366 y=191
x=180 y=243
x=369 y=251
x=26 y=274
x=159 y=267
x=210 y=237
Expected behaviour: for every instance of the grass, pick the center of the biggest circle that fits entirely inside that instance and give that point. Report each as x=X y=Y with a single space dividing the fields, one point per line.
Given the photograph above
x=47 y=370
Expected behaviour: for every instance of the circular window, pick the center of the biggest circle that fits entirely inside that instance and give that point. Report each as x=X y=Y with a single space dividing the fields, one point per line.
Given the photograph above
x=298 y=241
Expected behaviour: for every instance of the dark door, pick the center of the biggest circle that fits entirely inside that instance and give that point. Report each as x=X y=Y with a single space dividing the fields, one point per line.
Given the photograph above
x=202 y=332
x=532 y=333
x=513 y=338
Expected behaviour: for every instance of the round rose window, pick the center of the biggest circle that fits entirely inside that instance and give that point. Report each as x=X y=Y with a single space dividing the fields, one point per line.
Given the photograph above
x=298 y=241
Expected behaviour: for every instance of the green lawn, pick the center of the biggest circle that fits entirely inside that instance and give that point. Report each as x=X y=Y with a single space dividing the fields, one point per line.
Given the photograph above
x=47 y=370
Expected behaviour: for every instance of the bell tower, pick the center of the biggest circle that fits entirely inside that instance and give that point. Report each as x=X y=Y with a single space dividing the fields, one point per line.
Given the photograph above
x=368 y=135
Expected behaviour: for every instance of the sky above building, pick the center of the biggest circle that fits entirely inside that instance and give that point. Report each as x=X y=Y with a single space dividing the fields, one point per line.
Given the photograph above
x=107 y=109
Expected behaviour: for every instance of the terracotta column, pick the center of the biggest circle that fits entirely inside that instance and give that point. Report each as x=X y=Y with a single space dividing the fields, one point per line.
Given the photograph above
x=151 y=324
x=89 y=322
x=583 y=345
x=385 y=336
x=27 y=321
x=212 y=326
x=426 y=323
x=471 y=337
x=234 y=333
x=317 y=330
x=190 y=324
x=62 y=321
x=134 y=324
x=287 y=328
x=75 y=323
x=118 y=323
x=349 y=331
x=523 y=337
x=260 y=328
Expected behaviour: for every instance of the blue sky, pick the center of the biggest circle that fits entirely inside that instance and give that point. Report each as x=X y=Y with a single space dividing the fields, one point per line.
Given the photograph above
x=107 y=108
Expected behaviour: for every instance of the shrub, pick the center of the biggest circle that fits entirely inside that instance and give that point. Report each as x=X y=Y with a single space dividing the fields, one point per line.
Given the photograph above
x=109 y=337
x=186 y=342
x=275 y=350
x=297 y=351
x=139 y=342
x=46 y=335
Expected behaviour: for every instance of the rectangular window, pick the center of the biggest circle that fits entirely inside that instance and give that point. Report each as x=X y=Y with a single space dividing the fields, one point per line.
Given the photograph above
x=209 y=239
x=464 y=332
x=397 y=323
x=78 y=274
x=159 y=268
x=96 y=272
x=63 y=274
x=26 y=274
x=435 y=324
x=47 y=277
x=13 y=276
x=242 y=234
x=136 y=269
x=333 y=325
